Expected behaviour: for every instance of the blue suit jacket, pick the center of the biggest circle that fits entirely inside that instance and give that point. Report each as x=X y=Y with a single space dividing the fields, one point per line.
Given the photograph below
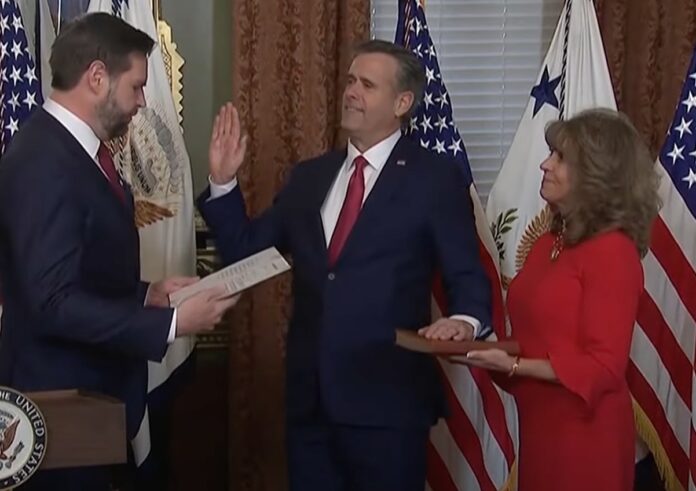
x=340 y=347
x=73 y=314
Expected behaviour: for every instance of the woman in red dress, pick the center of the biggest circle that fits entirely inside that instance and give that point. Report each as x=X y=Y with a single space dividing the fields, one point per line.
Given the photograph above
x=573 y=306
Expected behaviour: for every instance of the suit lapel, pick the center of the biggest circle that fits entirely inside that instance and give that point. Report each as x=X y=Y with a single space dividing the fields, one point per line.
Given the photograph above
x=87 y=166
x=321 y=185
x=390 y=180
x=130 y=199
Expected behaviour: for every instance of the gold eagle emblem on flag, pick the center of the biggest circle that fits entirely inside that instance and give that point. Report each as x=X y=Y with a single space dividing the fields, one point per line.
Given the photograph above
x=146 y=159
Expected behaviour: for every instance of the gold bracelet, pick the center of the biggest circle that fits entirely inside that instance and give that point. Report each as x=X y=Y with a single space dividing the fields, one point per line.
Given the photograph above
x=515 y=367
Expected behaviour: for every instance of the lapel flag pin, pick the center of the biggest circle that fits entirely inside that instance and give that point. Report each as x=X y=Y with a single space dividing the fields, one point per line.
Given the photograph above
x=401 y=162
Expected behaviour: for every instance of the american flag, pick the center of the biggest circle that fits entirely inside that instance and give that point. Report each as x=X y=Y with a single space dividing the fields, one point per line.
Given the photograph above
x=20 y=88
x=118 y=7
x=476 y=439
x=661 y=372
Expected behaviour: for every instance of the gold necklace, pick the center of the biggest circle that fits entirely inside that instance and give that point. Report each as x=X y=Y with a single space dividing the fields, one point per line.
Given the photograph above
x=558 y=242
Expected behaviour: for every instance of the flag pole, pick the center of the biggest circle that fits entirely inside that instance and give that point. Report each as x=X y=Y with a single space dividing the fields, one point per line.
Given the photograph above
x=156 y=10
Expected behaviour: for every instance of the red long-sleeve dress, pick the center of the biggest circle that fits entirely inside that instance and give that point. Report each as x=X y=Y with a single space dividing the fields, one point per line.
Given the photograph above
x=578 y=312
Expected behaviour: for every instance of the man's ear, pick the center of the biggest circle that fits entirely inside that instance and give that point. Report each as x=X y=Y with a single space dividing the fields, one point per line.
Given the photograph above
x=403 y=103
x=96 y=77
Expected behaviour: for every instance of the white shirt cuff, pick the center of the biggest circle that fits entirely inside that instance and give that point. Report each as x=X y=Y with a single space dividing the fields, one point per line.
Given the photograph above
x=219 y=190
x=172 y=329
x=147 y=293
x=475 y=323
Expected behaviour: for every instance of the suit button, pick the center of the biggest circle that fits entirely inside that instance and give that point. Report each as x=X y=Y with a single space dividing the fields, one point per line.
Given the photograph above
x=331 y=276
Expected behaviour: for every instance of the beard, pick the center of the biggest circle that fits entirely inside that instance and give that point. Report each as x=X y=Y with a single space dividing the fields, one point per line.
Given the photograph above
x=113 y=119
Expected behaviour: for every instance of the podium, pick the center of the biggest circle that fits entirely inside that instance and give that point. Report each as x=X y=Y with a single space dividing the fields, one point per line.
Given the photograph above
x=82 y=429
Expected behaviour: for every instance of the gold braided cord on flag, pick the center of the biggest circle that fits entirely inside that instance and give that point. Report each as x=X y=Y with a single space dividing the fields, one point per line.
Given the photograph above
x=649 y=434
x=511 y=483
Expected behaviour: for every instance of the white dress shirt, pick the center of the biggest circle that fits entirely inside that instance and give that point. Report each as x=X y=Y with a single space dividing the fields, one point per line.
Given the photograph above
x=86 y=137
x=376 y=157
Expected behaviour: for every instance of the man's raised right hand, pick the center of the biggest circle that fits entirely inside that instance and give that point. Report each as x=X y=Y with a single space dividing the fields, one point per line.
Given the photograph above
x=227 y=145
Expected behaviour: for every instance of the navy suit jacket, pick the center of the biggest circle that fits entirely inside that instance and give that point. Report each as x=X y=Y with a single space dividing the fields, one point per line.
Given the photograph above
x=340 y=348
x=73 y=314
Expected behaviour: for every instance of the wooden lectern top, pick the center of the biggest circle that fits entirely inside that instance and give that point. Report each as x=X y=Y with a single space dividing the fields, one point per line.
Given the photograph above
x=83 y=429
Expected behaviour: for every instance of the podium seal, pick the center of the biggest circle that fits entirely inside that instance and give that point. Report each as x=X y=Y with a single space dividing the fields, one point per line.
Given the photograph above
x=22 y=438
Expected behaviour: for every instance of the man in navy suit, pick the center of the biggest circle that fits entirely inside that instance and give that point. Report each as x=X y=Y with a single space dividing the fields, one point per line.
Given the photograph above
x=367 y=229
x=76 y=314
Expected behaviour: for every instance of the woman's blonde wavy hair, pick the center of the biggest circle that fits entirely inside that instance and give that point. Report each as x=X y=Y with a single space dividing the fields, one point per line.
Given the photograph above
x=614 y=183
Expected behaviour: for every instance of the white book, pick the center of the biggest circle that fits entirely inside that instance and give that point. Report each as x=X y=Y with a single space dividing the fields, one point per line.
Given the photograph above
x=238 y=276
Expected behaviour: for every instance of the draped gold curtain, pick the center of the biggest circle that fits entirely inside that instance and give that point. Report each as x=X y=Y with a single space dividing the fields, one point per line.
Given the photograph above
x=648 y=45
x=289 y=61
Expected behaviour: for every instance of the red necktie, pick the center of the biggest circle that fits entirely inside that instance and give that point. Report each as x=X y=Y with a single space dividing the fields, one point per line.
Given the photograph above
x=349 y=210
x=107 y=165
